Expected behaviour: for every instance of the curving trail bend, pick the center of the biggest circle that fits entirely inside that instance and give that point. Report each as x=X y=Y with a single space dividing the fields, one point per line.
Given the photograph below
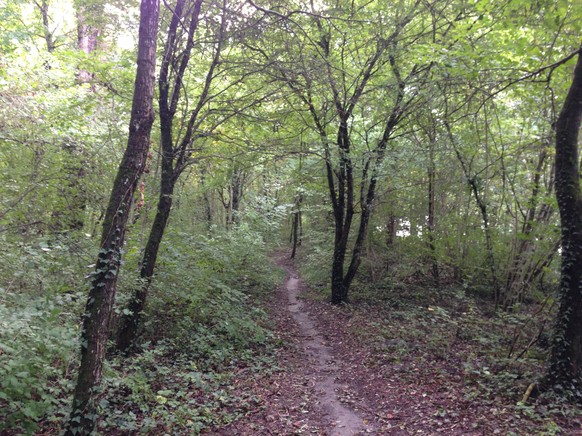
x=346 y=421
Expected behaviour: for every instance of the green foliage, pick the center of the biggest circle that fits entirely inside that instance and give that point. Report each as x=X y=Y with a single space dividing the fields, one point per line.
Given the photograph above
x=38 y=346
x=163 y=388
x=61 y=142
x=42 y=267
x=201 y=323
x=202 y=298
x=41 y=295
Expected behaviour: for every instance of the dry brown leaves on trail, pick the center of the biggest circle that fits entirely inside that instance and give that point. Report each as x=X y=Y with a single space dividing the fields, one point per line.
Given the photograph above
x=413 y=394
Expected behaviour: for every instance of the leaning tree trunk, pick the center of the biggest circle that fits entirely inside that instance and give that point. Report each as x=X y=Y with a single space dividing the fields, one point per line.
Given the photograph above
x=103 y=285
x=566 y=360
x=171 y=168
x=130 y=321
x=431 y=211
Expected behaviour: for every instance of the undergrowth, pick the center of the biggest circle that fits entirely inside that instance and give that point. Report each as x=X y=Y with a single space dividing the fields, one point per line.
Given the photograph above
x=451 y=335
x=202 y=325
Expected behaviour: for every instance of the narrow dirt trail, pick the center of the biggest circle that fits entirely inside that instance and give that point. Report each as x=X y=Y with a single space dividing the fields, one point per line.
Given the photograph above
x=343 y=371
x=317 y=386
x=321 y=365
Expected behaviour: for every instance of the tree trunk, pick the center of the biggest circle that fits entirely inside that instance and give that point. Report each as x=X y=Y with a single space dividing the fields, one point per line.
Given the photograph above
x=566 y=360
x=482 y=205
x=207 y=202
x=171 y=170
x=519 y=275
x=488 y=239
x=103 y=285
x=130 y=321
x=235 y=194
x=71 y=215
x=49 y=38
x=339 y=291
x=296 y=227
x=391 y=227
x=431 y=212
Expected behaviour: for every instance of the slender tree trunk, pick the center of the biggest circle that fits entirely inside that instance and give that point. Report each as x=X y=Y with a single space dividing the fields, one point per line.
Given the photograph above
x=296 y=227
x=482 y=205
x=43 y=8
x=488 y=239
x=99 y=307
x=566 y=360
x=172 y=167
x=75 y=190
x=517 y=283
x=129 y=325
x=431 y=212
x=235 y=194
x=206 y=197
x=391 y=230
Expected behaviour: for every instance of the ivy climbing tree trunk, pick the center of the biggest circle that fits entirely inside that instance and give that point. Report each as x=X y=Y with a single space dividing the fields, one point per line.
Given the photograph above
x=99 y=306
x=476 y=190
x=565 y=370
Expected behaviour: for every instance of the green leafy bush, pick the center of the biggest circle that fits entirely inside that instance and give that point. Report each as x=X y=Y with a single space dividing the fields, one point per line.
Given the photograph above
x=201 y=299
x=37 y=353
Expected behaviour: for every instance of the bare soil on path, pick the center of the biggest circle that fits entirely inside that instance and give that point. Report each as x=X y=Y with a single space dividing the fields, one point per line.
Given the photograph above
x=334 y=379
x=322 y=365
x=305 y=396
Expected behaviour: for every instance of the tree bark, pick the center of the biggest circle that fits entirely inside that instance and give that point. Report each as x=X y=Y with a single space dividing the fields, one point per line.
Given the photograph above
x=49 y=38
x=431 y=211
x=296 y=227
x=99 y=306
x=172 y=167
x=565 y=370
x=235 y=187
x=130 y=321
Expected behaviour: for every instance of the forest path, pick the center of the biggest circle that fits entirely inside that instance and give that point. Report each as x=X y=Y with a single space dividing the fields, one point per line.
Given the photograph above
x=349 y=370
x=315 y=387
x=321 y=366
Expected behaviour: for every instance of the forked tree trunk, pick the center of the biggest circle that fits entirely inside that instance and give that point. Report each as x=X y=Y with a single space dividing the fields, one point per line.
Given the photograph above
x=49 y=38
x=103 y=285
x=174 y=161
x=566 y=360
